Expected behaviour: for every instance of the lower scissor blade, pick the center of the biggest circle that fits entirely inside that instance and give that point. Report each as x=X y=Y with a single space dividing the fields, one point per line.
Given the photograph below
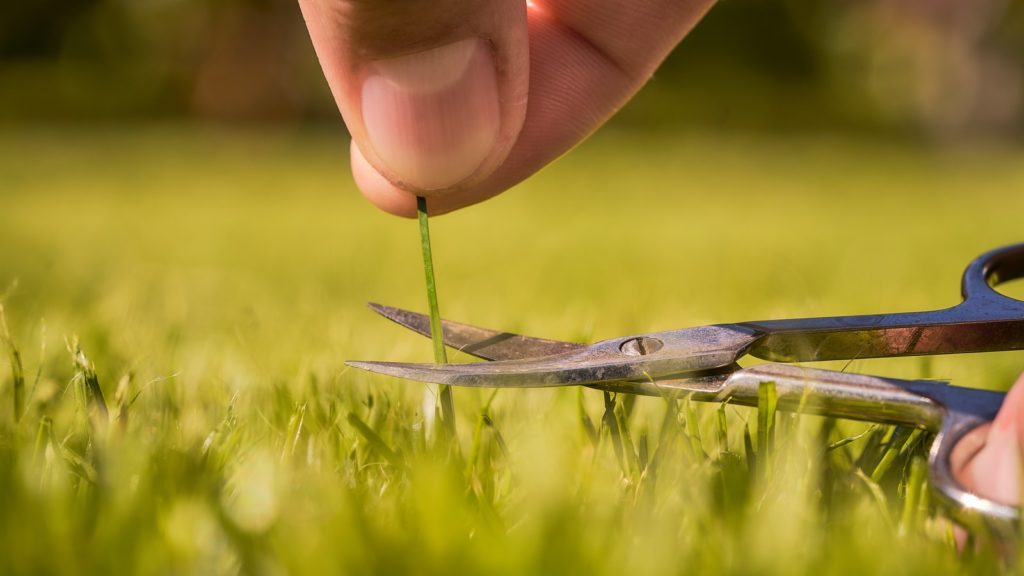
x=461 y=375
x=480 y=342
x=540 y=375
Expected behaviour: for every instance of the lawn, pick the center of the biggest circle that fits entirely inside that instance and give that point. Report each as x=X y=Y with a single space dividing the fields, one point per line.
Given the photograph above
x=209 y=284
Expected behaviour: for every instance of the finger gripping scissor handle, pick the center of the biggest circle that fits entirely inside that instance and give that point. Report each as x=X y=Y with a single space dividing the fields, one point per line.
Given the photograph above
x=961 y=438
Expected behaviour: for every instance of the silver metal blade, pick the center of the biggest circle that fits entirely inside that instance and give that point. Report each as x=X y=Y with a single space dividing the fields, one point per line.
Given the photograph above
x=480 y=342
x=705 y=384
x=652 y=357
x=450 y=374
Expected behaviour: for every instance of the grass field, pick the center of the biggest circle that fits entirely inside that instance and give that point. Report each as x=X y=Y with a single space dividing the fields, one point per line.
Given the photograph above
x=216 y=281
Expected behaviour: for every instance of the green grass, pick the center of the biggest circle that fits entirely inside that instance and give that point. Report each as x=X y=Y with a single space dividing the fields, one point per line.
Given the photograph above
x=446 y=403
x=206 y=287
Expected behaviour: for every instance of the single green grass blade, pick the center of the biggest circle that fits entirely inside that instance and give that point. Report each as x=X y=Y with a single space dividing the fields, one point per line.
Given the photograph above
x=436 y=334
x=294 y=431
x=722 y=428
x=643 y=452
x=767 y=401
x=748 y=449
x=585 y=423
x=669 y=429
x=612 y=425
x=499 y=438
x=484 y=420
x=42 y=439
x=85 y=374
x=375 y=441
x=17 y=369
x=667 y=433
x=693 y=429
x=915 y=488
x=850 y=439
x=633 y=467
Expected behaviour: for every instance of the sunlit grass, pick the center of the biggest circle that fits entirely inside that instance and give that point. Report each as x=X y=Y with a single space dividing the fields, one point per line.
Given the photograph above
x=207 y=286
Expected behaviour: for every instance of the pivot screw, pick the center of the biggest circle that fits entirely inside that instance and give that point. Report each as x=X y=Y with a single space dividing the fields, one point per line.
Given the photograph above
x=640 y=346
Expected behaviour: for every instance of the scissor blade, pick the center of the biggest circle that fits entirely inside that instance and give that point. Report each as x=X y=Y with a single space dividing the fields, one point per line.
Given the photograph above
x=568 y=368
x=670 y=355
x=706 y=384
x=450 y=374
x=480 y=342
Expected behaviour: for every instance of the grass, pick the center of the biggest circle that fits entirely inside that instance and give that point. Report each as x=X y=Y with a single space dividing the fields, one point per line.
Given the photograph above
x=447 y=404
x=206 y=286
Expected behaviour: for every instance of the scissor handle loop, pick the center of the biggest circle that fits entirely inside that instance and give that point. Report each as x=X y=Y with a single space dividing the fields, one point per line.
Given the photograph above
x=959 y=440
x=992 y=269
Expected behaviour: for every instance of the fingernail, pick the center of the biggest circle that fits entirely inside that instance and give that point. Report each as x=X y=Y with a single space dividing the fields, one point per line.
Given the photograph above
x=997 y=467
x=433 y=117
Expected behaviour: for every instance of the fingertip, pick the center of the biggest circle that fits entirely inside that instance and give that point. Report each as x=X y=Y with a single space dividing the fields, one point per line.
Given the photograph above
x=434 y=94
x=385 y=195
x=378 y=189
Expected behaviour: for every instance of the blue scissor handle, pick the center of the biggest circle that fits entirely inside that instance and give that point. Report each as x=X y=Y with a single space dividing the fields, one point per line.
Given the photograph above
x=985 y=321
x=987 y=271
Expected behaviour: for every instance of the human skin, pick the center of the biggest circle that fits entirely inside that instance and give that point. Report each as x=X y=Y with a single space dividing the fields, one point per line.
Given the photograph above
x=435 y=92
x=459 y=100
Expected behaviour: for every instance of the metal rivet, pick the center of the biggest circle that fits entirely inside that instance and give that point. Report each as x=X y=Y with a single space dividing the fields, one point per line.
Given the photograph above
x=640 y=346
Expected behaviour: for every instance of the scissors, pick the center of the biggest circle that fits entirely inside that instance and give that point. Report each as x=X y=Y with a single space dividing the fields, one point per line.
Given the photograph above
x=702 y=362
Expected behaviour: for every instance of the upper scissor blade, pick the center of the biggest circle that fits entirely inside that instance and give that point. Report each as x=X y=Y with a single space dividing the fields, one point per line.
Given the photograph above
x=558 y=370
x=474 y=340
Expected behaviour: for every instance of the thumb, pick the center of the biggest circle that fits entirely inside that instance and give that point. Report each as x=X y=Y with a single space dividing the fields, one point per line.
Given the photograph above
x=432 y=91
x=995 y=470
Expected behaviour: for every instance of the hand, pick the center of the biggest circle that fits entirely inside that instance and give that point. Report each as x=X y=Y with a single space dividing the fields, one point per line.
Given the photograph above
x=996 y=469
x=458 y=100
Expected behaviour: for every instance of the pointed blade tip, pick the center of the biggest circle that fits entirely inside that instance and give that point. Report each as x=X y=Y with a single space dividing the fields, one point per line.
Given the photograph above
x=371 y=365
x=394 y=313
x=396 y=369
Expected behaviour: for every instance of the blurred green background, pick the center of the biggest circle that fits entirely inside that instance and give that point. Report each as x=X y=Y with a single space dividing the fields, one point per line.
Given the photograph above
x=937 y=69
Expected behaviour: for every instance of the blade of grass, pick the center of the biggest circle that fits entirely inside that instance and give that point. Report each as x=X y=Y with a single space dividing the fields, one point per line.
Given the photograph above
x=633 y=467
x=666 y=438
x=585 y=423
x=375 y=441
x=39 y=368
x=481 y=422
x=767 y=400
x=915 y=485
x=294 y=431
x=42 y=438
x=436 y=334
x=878 y=496
x=871 y=454
x=612 y=425
x=85 y=374
x=17 y=370
x=850 y=439
x=748 y=450
x=643 y=452
x=898 y=445
x=722 y=428
x=693 y=429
